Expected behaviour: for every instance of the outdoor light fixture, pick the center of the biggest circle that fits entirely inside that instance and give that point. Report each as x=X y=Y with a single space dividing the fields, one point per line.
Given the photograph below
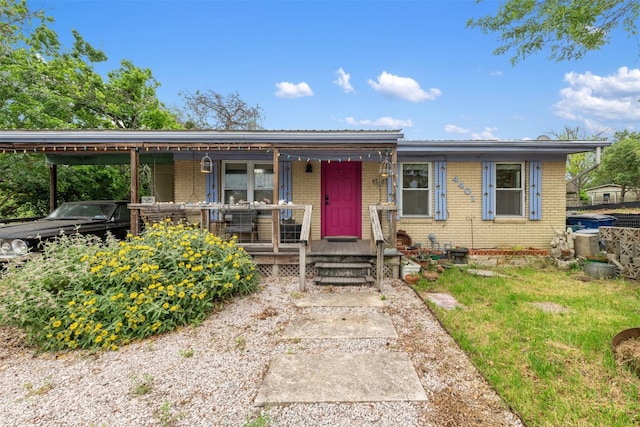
x=206 y=164
x=309 y=168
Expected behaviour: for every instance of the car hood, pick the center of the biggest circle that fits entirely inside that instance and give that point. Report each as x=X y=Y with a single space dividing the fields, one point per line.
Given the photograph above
x=45 y=228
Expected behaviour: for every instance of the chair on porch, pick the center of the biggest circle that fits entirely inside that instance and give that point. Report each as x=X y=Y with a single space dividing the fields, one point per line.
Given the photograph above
x=242 y=222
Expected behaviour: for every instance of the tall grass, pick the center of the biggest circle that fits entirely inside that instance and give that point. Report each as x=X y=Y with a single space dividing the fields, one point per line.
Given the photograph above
x=554 y=366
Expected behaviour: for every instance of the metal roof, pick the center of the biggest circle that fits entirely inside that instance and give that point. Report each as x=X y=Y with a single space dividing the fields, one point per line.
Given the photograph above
x=50 y=141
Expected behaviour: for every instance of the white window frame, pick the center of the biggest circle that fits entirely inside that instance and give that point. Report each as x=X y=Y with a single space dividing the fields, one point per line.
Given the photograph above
x=521 y=189
x=428 y=189
x=250 y=178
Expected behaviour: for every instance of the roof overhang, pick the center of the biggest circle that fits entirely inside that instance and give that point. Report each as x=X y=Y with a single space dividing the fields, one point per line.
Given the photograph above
x=496 y=149
x=176 y=140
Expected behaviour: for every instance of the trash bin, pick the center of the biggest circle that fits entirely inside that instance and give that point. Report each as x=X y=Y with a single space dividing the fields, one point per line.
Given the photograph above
x=579 y=222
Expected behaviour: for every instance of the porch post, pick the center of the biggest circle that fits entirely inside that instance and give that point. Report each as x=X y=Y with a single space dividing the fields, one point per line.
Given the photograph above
x=135 y=161
x=275 y=214
x=53 y=186
x=394 y=197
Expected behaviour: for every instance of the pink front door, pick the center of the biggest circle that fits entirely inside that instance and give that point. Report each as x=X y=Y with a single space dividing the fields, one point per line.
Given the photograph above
x=341 y=199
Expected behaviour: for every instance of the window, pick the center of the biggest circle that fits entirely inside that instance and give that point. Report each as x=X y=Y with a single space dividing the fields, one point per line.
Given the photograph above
x=416 y=192
x=509 y=189
x=249 y=181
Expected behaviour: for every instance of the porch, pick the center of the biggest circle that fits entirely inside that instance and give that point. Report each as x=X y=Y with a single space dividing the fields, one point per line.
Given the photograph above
x=278 y=237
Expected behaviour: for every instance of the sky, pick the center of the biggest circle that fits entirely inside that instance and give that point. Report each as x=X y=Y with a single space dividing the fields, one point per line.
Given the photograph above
x=361 y=65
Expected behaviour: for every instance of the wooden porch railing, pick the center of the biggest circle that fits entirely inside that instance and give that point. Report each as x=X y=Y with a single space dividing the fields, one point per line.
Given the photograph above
x=304 y=246
x=378 y=240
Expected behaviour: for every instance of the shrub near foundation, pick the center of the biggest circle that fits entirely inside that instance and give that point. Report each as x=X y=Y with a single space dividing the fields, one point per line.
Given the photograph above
x=85 y=293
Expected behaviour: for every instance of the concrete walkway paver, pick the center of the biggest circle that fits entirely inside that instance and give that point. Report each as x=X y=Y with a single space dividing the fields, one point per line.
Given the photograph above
x=341 y=300
x=364 y=377
x=340 y=325
x=345 y=377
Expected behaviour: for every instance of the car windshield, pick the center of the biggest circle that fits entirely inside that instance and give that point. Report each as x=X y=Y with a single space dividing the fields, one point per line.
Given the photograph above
x=79 y=210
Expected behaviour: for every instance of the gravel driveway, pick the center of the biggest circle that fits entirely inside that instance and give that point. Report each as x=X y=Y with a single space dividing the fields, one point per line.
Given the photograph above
x=209 y=375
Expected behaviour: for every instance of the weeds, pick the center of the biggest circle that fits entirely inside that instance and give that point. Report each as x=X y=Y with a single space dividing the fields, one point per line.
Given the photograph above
x=165 y=415
x=142 y=386
x=187 y=353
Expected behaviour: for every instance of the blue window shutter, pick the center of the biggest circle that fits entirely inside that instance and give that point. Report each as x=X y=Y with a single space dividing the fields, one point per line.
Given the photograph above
x=390 y=190
x=440 y=181
x=213 y=189
x=284 y=192
x=488 y=190
x=535 y=190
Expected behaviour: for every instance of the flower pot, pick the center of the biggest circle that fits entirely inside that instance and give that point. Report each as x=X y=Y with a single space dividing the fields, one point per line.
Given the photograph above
x=599 y=270
x=412 y=278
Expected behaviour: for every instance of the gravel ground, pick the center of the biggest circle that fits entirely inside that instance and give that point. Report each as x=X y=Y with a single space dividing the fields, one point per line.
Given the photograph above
x=210 y=374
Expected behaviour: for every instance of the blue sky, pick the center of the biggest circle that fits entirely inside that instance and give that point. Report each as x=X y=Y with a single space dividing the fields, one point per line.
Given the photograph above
x=360 y=64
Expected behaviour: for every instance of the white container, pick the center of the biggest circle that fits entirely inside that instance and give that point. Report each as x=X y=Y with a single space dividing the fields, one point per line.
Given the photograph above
x=408 y=267
x=586 y=243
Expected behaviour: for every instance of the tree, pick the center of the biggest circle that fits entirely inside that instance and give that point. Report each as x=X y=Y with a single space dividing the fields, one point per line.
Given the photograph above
x=44 y=86
x=621 y=162
x=569 y=28
x=580 y=165
x=211 y=110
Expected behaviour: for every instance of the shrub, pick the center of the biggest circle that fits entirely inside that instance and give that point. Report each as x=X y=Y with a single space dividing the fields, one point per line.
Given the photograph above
x=86 y=293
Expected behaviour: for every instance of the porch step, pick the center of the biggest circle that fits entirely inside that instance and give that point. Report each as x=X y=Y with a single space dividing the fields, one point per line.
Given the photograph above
x=343 y=273
x=353 y=280
x=343 y=269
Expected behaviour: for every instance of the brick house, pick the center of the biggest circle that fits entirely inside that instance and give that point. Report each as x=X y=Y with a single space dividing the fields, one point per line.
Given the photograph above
x=475 y=194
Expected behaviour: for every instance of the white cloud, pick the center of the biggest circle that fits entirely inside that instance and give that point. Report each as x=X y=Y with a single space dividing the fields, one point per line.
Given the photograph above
x=456 y=129
x=597 y=101
x=496 y=73
x=292 y=90
x=487 y=133
x=343 y=81
x=382 y=122
x=403 y=87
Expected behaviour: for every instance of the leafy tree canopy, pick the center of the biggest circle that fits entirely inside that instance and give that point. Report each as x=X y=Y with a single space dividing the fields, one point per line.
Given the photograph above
x=621 y=162
x=568 y=28
x=45 y=86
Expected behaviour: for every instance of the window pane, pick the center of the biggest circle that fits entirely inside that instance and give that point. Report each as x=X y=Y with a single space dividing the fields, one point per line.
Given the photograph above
x=263 y=195
x=235 y=176
x=238 y=195
x=415 y=175
x=415 y=202
x=508 y=176
x=508 y=202
x=262 y=181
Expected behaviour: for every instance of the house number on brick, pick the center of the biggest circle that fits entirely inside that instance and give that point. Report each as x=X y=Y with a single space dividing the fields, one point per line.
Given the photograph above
x=467 y=190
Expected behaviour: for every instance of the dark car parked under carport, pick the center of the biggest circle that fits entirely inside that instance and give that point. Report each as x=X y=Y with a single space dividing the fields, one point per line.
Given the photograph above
x=96 y=217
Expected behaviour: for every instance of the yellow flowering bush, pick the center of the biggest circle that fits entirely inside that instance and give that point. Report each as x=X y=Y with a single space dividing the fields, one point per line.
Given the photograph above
x=86 y=293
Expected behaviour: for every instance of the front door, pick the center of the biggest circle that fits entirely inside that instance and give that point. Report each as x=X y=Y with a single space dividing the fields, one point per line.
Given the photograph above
x=341 y=199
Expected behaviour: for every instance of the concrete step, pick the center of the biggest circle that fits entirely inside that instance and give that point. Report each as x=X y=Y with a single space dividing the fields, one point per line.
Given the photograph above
x=343 y=265
x=345 y=269
x=330 y=280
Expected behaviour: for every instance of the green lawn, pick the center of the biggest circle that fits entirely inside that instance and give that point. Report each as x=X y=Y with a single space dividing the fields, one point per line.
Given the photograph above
x=553 y=368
